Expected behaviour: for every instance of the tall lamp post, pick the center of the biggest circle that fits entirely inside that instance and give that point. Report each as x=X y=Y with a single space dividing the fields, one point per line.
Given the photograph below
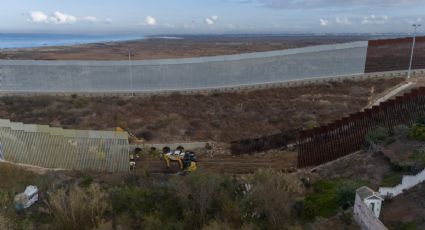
x=131 y=73
x=415 y=26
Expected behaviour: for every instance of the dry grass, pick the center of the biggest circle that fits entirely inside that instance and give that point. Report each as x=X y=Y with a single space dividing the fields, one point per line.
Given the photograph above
x=78 y=208
x=6 y=223
x=217 y=117
x=14 y=179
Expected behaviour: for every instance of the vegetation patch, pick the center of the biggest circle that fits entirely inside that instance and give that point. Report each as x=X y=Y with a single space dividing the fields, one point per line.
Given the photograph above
x=329 y=197
x=379 y=135
x=419 y=157
x=392 y=179
x=417 y=132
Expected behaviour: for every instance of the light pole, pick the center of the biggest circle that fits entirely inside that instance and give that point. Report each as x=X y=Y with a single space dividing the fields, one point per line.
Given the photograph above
x=131 y=72
x=415 y=26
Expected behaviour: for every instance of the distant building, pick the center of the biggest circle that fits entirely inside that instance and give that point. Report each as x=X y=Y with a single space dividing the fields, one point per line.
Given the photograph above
x=371 y=199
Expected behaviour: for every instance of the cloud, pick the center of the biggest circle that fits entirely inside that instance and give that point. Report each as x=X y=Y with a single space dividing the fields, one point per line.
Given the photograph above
x=56 y=18
x=151 y=21
x=373 y=19
x=62 y=18
x=38 y=17
x=291 y=4
x=91 y=19
x=342 y=21
x=324 y=22
x=211 y=20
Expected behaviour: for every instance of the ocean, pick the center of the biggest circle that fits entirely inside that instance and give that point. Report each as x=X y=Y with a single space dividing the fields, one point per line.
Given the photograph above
x=8 y=41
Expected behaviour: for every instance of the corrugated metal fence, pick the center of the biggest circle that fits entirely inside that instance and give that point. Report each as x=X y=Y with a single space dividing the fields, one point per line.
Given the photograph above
x=48 y=147
x=345 y=136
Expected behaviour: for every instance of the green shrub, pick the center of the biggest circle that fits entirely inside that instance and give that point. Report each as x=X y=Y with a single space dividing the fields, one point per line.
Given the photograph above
x=378 y=136
x=131 y=199
x=310 y=124
x=392 y=179
x=86 y=181
x=329 y=197
x=419 y=157
x=146 y=205
x=198 y=193
x=417 y=132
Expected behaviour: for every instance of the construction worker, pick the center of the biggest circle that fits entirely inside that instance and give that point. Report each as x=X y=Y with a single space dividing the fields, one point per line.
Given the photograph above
x=132 y=162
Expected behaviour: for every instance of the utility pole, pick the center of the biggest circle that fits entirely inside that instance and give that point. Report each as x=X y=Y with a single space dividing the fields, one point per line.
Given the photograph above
x=131 y=73
x=415 y=26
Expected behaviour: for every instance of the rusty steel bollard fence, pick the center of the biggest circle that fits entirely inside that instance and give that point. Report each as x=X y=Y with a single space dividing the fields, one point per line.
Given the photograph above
x=345 y=136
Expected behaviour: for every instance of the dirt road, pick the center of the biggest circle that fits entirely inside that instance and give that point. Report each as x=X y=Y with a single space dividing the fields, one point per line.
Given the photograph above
x=224 y=163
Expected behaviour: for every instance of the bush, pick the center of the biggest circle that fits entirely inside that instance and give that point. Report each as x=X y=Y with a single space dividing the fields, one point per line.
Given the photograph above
x=419 y=157
x=146 y=135
x=329 y=197
x=86 y=181
x=392 y=179
x=378 y=136
x=310 y=124
x=145 y=206
x=272 y=197
x=417 y=132
x=197 y=193
x=77 y=208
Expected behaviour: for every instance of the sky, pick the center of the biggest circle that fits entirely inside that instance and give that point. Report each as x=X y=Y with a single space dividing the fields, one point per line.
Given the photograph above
x=149 y=17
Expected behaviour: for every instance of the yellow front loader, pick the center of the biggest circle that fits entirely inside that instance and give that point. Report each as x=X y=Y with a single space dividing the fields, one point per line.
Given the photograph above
x=185 y=160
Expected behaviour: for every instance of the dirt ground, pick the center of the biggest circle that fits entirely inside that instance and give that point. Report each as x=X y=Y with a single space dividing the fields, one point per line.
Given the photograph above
x=401 y=150
x=220 y=117
x=281 y=160
x=189 y=46
x=405 y=208
x=365 y=166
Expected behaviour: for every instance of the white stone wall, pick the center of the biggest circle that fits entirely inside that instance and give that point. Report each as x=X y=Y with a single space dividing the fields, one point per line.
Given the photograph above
x=407 y=183
x=377 y=206
x=365 y=217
